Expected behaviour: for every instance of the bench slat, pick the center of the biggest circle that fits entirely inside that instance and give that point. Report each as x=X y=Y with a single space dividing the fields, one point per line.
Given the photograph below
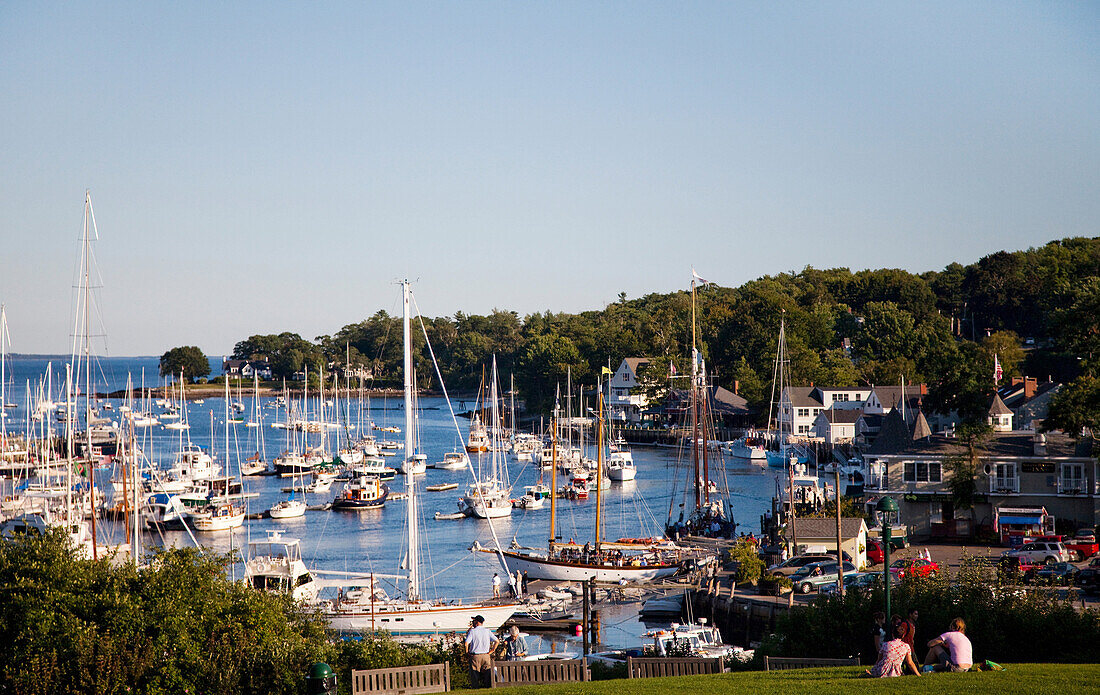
x=402 y=680
x=505 y=673
x=656 y=667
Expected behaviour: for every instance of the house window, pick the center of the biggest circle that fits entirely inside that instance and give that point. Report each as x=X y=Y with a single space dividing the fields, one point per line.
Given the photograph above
x=803 y=429
x=1004 y=477
x=922 y=472
x=1072 y=478
x=803 y=412
x=840 y=397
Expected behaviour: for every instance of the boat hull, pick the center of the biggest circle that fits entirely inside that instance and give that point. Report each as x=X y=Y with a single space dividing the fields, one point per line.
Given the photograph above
x=556 y=570
x=416 y=619
x=621 y=474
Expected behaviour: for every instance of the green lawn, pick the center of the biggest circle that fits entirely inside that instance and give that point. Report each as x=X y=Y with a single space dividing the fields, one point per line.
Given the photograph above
x=1017 y=679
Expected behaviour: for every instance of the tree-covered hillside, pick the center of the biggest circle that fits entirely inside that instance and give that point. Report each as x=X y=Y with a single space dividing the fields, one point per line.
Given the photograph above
x=1038 y=310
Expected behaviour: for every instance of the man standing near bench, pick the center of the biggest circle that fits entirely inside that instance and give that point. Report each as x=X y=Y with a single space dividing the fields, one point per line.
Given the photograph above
x=480 y=643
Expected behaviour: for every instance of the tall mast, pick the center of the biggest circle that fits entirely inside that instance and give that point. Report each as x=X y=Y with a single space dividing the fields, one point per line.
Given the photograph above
x=410 y=479
x=87 y=281
x=599 y=464
x=70 y=406
x=554 y=471
x=694 y=399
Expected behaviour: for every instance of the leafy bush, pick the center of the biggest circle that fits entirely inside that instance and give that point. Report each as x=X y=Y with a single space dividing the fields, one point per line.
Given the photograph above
x=749 y=564
x=1002 y=620
x=774 y=585
x=604 y=672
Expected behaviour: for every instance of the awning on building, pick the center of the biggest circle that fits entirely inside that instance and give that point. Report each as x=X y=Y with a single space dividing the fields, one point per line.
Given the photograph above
x=1026 y=520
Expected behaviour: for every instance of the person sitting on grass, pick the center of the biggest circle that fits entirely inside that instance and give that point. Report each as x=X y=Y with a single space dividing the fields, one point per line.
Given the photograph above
x=894 y=656
x=952 y=650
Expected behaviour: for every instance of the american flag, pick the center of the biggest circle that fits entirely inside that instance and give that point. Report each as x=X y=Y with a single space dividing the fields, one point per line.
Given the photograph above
x=997 y=371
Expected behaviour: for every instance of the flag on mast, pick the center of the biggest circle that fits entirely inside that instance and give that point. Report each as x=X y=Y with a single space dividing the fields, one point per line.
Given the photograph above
x=997 y=371
x=671 y=368
x=699 y=279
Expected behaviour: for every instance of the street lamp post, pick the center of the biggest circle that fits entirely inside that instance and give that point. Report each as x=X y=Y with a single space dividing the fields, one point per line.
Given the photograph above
x=887 y=508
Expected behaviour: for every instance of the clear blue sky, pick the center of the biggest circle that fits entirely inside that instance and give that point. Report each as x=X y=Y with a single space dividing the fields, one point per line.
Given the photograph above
x=269 y=166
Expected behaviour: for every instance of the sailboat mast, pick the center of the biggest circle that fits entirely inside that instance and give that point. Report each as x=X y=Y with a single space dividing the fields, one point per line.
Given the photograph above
x=694 y=400
x=553 y=479
x=410 y=479
x=704 y=399
x=88 y=364
x=599 y=465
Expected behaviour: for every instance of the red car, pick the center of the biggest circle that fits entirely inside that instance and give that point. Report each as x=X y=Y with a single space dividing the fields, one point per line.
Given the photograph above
x=914 y=567
x=875 y=554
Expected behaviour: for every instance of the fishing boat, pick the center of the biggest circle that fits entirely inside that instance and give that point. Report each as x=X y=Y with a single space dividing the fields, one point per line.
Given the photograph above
x=275 y=565
x=750 y=447
x=534 y=497
x=368 y=606
x=365 y=492
x=454 y=461
x=478 y=440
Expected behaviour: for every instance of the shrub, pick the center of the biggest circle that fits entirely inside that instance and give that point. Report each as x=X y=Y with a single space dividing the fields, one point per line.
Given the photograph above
x=749 y=564
x=1002 y=620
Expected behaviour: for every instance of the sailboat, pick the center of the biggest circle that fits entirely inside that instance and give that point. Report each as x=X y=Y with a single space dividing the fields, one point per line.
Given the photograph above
x=291 y=507
x=488 y=497
x=256 y=464
x=371 y=608
x=223 y=514
x=604 y=561
x=786 y=456
x=706 y=513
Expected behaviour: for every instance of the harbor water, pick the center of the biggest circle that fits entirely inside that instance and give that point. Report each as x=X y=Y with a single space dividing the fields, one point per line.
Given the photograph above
x=375 y=540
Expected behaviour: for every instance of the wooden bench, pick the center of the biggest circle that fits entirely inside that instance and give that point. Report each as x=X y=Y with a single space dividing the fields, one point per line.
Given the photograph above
x=783 y=663
x=506 y=673
x=403 y=680
x=662 y=667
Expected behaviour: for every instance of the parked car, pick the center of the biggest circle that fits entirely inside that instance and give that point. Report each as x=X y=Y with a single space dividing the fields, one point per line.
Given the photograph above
x=1079 y=547
x=1083 y=545
x=1088 y=580
x=1048 y=552
x=875 y=553
x=818 y=574
x=1058 y=573
x=914 y=567
x=792 y=565
x=858 y=581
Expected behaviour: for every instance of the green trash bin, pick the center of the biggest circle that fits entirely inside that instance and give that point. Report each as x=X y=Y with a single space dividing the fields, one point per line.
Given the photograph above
x=321 y=680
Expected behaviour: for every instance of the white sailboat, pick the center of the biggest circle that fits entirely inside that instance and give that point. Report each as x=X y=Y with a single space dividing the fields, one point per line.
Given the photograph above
x=488 y=497
x=786 y=456
x=371 y=608
x=224 y=514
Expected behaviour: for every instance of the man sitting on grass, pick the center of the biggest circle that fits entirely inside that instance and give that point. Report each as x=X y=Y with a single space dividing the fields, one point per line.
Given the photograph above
x=952 y=650
x=894 y=656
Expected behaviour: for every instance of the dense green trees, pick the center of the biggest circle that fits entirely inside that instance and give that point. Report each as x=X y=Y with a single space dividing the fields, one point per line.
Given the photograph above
x=1035 y=310
x=187 y=360
x=176 y=625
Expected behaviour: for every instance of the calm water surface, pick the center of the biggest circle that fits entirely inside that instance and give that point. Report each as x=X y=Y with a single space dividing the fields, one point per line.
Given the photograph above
x=376 y=540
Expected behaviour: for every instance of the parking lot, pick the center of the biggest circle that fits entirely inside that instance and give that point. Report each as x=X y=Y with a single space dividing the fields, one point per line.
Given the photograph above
x=951 y=558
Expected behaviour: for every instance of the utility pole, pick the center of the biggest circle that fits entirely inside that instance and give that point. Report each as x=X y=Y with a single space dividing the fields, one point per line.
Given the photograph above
x=839 y=535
